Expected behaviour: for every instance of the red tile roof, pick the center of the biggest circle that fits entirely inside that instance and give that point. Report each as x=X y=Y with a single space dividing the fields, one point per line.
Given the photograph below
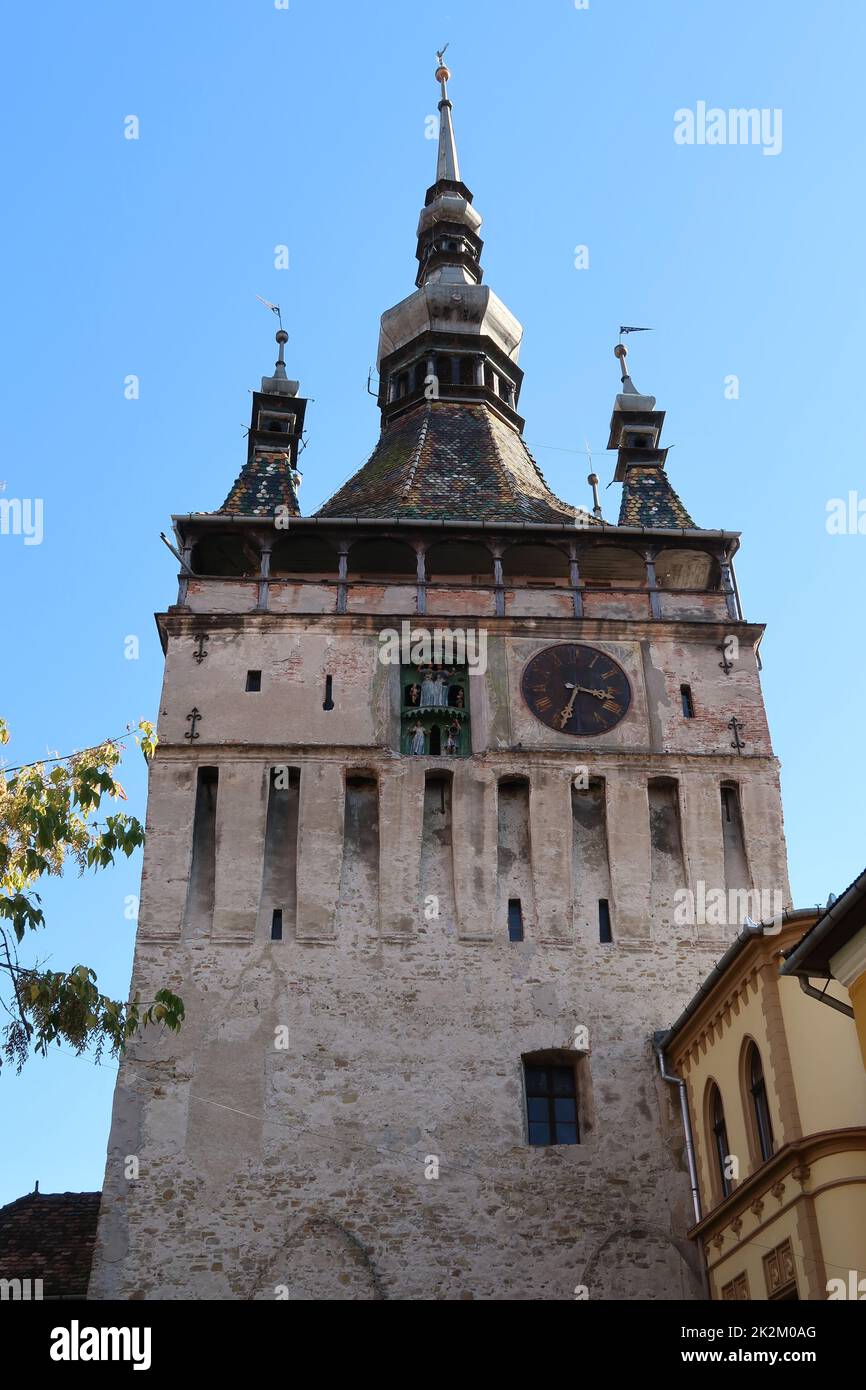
x=50 y=1236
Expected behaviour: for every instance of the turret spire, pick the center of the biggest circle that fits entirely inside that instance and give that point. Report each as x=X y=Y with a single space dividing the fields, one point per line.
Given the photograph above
x=648 y=498
x=447 y=166
x=270 y=477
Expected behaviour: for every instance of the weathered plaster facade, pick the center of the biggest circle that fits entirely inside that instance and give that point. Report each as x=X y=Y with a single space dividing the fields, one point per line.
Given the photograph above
x=285 y=1136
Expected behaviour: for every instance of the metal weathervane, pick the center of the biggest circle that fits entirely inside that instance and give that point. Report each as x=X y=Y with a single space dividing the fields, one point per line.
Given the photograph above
x=274 y=308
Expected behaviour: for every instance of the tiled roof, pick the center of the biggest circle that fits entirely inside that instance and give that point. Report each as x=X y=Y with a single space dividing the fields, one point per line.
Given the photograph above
x=264 y=484
x=444 y=459
x=649 y=500
x=50 y=1236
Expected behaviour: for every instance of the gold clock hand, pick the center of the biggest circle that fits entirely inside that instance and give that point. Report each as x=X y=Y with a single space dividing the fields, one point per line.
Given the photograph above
x=565 y=714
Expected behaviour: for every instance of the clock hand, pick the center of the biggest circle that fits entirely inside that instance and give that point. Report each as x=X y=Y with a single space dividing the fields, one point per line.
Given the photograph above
x=585 y=690
x=576 y=690
x=565 y=714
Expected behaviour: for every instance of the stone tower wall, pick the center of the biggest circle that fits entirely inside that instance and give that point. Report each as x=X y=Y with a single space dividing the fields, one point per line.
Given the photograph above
x=286 y=1135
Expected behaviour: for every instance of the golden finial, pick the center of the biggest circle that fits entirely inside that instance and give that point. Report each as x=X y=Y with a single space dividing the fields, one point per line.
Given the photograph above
x=442 y=73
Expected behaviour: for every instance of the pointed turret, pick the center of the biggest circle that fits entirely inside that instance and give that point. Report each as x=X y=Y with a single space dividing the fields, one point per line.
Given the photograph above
x=270 y=477
x=635 y=430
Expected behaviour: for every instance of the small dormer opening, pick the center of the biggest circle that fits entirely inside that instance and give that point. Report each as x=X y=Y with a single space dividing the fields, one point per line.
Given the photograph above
x=635 y=439
x=276 y=422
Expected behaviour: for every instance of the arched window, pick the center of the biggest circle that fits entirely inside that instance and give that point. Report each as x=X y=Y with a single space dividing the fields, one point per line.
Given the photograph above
x=760 y=1107
x=383 y=559
x=687 y=569
x=448 y=559
x=719 y=1138
x=224 y=556
x=543 y=563
x=296 y=553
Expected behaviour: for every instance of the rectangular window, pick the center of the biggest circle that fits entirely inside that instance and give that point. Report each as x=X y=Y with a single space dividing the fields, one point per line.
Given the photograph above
x=515 y=920
x=254 y=681
x=688 y=702
x=277 y=924
x=780 y=1274
x=605 y=933
x=737 y=1290
x=551 y=1103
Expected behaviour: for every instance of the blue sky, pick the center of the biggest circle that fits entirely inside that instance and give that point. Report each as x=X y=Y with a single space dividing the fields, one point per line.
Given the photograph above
x=306 y=127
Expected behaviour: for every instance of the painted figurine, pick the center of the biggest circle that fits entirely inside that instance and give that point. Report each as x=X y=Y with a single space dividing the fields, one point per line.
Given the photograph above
x=417 y=738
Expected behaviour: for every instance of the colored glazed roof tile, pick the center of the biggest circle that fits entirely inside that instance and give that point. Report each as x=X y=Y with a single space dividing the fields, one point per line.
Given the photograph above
x=264 y=484
x=649 y=500
x=444 y=459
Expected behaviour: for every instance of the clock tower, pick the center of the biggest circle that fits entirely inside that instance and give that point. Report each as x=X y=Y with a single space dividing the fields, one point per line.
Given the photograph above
x=429 y=866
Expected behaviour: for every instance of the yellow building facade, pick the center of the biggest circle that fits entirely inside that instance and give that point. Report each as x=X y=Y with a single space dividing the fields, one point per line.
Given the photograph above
x=834 y=948
x=776 y=1094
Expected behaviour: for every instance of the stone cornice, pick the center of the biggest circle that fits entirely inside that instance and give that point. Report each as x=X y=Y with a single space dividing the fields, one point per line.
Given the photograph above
x=179 y=622
x=791 y=1163
x=722 y=1004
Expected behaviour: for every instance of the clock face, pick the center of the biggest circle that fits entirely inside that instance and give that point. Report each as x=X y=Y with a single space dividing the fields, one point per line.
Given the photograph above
x=576 y=690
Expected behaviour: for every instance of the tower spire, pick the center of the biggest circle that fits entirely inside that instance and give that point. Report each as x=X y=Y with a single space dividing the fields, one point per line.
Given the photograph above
x=449 y=247
x=447 y=166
